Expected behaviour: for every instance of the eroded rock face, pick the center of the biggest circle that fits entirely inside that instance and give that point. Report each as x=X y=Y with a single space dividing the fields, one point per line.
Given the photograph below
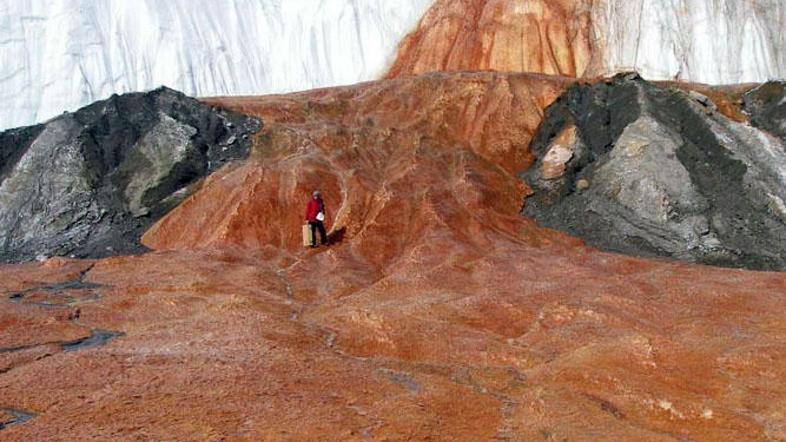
x=664 y=174
x=89 y=183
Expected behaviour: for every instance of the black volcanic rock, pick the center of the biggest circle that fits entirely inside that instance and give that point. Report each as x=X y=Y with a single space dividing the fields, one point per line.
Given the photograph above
x=638 y=169
x=89 y=183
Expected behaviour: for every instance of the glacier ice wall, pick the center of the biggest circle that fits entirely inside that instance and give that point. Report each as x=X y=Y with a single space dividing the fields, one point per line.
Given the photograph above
x=709 y=41
x=59 y=55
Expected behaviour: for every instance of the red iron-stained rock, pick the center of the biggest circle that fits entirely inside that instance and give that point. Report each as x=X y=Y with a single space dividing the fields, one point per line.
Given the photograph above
x=547 y=36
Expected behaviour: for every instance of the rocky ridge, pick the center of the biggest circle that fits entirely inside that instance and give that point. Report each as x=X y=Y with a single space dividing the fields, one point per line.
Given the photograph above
x=635 y=168
x=89 y=183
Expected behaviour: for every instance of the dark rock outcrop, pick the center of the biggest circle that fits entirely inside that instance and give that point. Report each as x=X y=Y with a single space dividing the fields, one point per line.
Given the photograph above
x=766 y=106
x=638 y=169
x=89 y=183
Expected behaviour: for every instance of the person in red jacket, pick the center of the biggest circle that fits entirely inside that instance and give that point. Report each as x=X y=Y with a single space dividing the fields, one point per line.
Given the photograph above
x=315 y=217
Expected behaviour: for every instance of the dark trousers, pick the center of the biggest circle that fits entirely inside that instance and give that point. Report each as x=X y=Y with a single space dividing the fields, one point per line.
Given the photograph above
x=318 y=225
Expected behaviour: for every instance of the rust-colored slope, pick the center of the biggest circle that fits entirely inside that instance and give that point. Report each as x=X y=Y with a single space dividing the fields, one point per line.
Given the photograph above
x=441 y=314
x=547 y=36
x=392 y=158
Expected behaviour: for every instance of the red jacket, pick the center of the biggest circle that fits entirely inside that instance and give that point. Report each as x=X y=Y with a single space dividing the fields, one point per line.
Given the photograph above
x=313 y=207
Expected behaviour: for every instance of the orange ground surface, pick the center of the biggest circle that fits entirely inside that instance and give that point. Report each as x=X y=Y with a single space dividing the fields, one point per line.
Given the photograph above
x=437 y=314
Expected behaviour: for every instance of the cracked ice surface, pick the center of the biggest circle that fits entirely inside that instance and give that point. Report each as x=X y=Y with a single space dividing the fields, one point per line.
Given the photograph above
x=707 y=41
x=58 y=55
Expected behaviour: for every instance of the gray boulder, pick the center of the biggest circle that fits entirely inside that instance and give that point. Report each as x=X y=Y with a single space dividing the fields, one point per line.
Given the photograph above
x=89 y=183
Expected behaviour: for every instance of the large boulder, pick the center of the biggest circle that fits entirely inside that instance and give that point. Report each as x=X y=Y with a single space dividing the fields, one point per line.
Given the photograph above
x=89 y=183
x=651 y=171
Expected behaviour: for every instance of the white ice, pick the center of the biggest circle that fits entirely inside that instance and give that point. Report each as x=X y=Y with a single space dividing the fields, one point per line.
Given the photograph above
x=58 y=55
x=707 y=41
